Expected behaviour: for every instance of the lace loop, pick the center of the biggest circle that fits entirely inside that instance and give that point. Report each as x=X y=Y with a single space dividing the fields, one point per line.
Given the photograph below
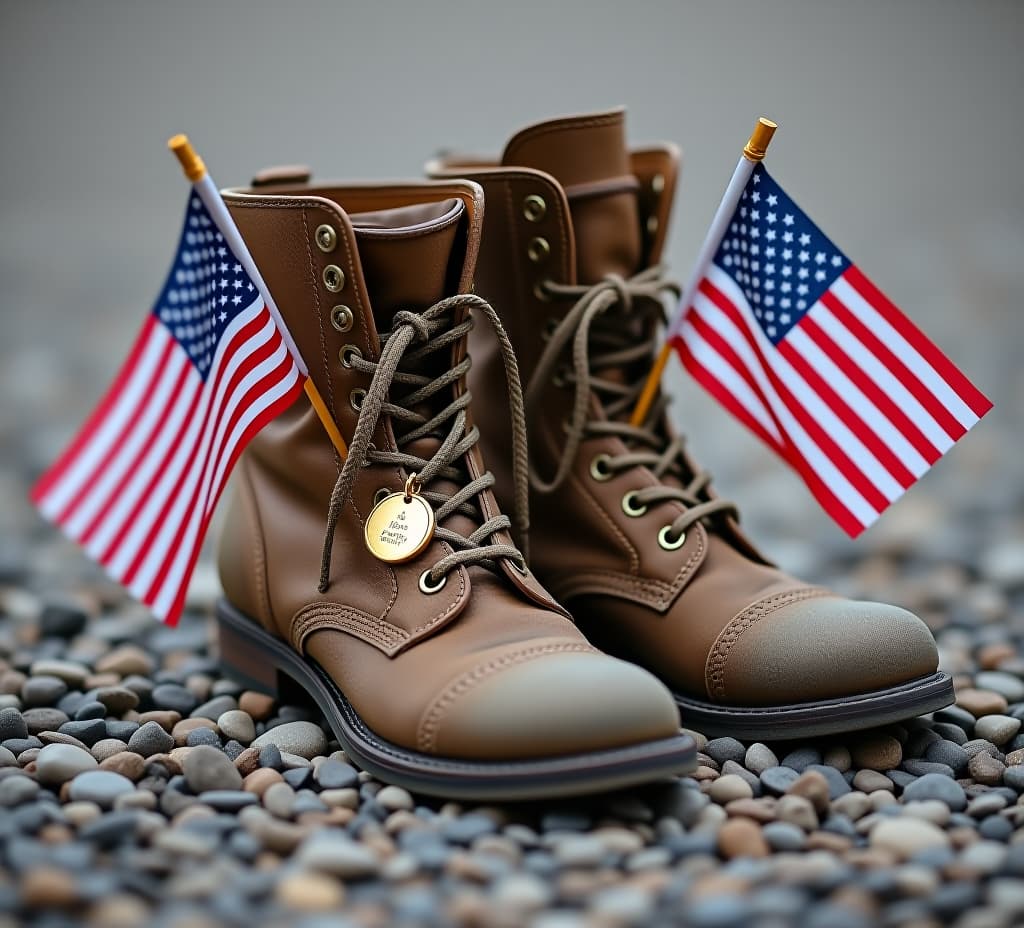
x=413 y=337
x=598 y=346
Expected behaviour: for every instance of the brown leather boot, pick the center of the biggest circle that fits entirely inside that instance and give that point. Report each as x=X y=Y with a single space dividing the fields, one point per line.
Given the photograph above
x=627 y=531
x=439 y=660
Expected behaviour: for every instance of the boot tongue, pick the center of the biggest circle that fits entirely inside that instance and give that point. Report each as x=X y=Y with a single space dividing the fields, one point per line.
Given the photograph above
x=409 y=256
x=588 y=156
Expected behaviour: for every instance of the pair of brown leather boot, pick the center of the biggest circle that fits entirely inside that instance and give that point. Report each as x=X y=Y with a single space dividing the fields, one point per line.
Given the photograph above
x=390 y=584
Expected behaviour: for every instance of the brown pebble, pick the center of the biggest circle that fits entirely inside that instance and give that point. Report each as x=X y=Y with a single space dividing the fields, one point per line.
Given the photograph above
x=11 y=682
x=705 y=773
x=125 y=661
x=985 y=769
x=55 y=833
x=1014 y=758
x=260 y=780
x=797 y=810
x=48 y=887
x=760 y=810
x=127 y=763
x=258 y=705
x=981 y=702
x=120 y=911
x=741 y=837
x=182 y=729
x=247 y=761
x=56 y=737
x=868 y=781
x=99 y=681
x=828 y=841
x=814 y=787
x=878 y=752
x=992 y=655
x=309 y=892
x=165 y=718
x=169 y=762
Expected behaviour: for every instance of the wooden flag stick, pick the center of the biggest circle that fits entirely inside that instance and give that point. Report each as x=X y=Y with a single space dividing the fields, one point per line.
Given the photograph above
x=195 y=170
x=753 y=152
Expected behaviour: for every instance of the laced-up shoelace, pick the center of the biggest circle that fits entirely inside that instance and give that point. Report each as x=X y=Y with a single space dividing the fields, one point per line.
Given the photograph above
x=412 y=338
x=598 y=344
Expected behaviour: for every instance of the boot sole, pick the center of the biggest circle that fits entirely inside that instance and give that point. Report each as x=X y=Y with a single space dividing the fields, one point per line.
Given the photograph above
x=814 y=719
x=260 y=661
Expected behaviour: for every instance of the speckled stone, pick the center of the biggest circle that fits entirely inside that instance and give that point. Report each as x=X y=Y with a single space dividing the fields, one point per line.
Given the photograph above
x=301 y=738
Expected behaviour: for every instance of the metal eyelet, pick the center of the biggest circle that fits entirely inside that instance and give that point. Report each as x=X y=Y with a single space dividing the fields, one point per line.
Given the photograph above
x=517 y=567
x=599 y=468
x=540 y=293
x=652 y=225
x=630 y=507
x=538 y=249
x=356 y=397
x=670 y=544
x=326 y=238
x=342 y=318
x=334 y=278
x=379 y=496
x=347 y=353
x=534 y=208
x=427 y=587
x=658 y=184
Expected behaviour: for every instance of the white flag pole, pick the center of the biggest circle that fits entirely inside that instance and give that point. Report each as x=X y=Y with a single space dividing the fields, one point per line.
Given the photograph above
x=753 y=153
x=202 y=183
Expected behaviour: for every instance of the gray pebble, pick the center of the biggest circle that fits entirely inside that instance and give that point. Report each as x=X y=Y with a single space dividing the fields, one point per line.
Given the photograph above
x=302 y=738
x=173 y=696
x=759 y=757
x=150 y=739
x=58 y=763
x=937 y=786
x=723 y=749
x=333 y=774
x=12 y=724
x=950 y=754
x=802 y=758
x=209 y=769
x=88 y=731
x=214 y=708
x=228 y=800
x=776 y=780
x=100 y=786
x=332 y=851
x=42 y=691
x=782 y=836
x=15 y=791
x=997 y=728
x=237 y=725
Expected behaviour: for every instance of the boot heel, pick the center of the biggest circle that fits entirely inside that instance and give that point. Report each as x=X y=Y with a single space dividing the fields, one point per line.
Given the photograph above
x=244 y=661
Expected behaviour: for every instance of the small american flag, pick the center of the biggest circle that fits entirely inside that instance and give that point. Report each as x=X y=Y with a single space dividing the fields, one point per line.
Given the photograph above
x=799 y=345
x=138 y=484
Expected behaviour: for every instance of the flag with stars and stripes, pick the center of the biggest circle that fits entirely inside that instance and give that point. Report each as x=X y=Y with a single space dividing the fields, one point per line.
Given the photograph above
x=138 y=485
x=798 y=344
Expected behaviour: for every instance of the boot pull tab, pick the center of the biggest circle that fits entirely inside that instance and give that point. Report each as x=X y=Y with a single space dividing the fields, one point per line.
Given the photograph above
x=282 y=174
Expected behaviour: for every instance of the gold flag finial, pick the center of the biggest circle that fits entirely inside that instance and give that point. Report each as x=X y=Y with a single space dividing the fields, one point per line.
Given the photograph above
x=756 y=147
x=191 y=163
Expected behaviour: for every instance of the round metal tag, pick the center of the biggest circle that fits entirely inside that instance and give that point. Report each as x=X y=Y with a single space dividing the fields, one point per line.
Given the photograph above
x=400 y=526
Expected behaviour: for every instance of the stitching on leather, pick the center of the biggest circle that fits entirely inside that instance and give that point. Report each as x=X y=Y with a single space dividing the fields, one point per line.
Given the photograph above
x=317 y=616
x=430 y=724
x=631 y=551
x=714 y=678
x=248 y=498
x=452 y=605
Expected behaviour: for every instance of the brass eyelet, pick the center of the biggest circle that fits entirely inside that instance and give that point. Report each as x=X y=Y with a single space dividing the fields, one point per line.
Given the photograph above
x=630 y=507
x=534 y=208
x=540 y=293
x=670 y=544
x=538 y=249
x=652 y=225
x=347 y=353
x=356 y=397
x=342 y=318
x=517 y=567
x=326 y=238
x=658 y=184
x=599 y=468
x=379 y=496
x=334 y=278
x=427 y=587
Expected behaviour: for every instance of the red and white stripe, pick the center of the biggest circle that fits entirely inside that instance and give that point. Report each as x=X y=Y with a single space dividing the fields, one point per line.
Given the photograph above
x=139 y=484
x=855 y=397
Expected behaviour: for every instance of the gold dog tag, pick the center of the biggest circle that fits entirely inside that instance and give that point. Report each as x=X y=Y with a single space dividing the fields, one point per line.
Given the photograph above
x=400 y=526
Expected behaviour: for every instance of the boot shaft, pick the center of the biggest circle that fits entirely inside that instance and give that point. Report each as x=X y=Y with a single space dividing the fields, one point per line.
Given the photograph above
x=341 y=261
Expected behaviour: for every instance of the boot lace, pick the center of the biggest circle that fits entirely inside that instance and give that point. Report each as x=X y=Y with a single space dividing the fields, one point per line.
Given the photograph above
x=413 y=337
x=601 y=343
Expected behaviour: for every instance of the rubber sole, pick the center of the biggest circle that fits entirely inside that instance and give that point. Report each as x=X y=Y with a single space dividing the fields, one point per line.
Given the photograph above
x=814 y=719
x=260 y=661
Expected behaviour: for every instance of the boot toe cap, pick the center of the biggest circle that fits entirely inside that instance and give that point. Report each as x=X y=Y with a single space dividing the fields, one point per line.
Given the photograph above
x=824 y=648
x=548 y=706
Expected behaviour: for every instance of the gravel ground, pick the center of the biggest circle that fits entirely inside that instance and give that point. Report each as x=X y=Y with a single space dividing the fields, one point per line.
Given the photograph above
x=138 y=786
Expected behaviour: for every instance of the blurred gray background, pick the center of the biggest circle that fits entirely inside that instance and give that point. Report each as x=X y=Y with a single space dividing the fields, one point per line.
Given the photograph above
x=901 y=134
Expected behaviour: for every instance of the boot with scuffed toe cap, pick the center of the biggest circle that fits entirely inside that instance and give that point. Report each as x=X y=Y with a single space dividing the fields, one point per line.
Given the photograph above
x=627 y=531
x=384 y=581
